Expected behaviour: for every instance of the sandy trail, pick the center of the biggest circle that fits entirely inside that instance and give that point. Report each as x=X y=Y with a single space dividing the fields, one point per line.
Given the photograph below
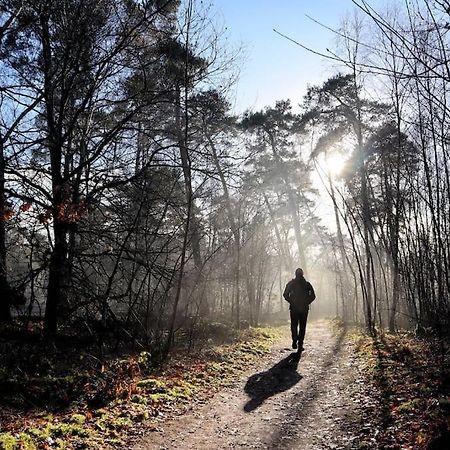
x=282 y=404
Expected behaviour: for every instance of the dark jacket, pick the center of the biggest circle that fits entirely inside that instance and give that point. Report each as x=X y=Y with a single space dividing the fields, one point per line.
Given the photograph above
x=299 y=293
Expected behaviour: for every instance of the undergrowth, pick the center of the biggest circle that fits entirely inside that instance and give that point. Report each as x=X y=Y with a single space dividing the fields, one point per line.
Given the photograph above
x=409 y=379
x=137 y=393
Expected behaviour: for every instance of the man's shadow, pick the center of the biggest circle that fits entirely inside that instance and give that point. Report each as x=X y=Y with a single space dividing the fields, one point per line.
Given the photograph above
x=281 y=377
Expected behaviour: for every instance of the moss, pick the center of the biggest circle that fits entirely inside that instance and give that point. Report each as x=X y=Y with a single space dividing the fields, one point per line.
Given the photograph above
x=27 y=442
x=78 y=419
x=8 y=441
x=411 y=405
x=38 y=435
x=157 y=391
x=120 y=423
x=57 y=430
x=111 y=422
x=152 y=384
x=181 y=392
x=160 y=398
x=139 y=399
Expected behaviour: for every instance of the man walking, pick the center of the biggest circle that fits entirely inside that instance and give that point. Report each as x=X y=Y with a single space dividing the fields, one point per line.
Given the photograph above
x=299 y=293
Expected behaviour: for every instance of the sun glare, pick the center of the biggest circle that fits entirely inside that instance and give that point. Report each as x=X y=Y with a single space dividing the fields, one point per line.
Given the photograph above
x=335 y=164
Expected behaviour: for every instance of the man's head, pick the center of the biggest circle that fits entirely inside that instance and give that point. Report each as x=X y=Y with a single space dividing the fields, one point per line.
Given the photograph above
x=298 y=273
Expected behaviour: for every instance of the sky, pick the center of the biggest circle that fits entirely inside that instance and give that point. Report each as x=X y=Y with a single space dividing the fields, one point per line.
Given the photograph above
x=274 y=68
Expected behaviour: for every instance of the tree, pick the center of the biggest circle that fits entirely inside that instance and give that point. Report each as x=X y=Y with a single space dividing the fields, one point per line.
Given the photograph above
x=278 y=165
x=80 y=116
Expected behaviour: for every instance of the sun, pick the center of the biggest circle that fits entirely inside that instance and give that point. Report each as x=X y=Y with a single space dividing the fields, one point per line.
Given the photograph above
x=334 y=164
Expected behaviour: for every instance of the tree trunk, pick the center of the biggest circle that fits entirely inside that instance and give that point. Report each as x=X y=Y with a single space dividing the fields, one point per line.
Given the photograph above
x=57 y=279
x=292 y=205
x=233 y=223
x=194 y=229
x=345 y=259
x=283 y=249
x=5 y=292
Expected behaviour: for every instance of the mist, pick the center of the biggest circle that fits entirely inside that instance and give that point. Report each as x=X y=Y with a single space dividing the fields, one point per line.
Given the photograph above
x=142 y=217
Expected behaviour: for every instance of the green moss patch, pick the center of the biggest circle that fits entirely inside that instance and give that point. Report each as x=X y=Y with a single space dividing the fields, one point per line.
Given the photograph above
x=8 y=441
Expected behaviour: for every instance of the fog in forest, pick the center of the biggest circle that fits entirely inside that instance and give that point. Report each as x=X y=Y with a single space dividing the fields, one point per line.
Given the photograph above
x=133 y=197
x=151 y=206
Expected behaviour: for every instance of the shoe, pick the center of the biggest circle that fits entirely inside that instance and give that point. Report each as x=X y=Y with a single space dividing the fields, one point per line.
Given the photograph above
x=300 y=349
x=294 y=344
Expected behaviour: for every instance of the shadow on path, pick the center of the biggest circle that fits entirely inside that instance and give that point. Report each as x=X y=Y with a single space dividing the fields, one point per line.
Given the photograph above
x=321 y=379
x=281 y=377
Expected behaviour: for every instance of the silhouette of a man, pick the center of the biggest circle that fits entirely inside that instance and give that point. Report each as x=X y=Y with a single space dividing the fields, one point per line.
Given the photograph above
x=299 y=293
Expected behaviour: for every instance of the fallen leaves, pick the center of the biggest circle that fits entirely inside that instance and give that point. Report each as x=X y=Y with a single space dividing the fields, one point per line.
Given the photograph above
x=406 y=376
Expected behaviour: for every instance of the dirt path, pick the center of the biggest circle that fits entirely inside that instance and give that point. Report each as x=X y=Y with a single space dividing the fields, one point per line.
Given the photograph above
x=283 y=404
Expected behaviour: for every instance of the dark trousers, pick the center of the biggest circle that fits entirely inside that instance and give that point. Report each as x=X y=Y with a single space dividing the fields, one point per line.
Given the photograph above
x=298 y=326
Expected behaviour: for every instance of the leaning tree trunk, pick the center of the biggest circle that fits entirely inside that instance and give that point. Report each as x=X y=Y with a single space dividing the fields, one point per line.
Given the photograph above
x=345 y=259
x=365 y=206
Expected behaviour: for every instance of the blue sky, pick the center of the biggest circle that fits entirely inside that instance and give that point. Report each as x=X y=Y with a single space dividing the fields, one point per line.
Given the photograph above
x=276 y=69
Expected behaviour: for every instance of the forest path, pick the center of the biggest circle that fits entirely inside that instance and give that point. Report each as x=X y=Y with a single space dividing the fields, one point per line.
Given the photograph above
x=282 y=404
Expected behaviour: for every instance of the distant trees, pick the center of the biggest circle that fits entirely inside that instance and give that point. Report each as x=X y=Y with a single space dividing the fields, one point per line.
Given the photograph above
x=281 y=173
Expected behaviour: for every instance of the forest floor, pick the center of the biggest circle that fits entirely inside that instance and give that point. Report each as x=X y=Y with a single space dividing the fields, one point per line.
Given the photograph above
x=347 y=391
x=339 y=395
x=63 y=397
